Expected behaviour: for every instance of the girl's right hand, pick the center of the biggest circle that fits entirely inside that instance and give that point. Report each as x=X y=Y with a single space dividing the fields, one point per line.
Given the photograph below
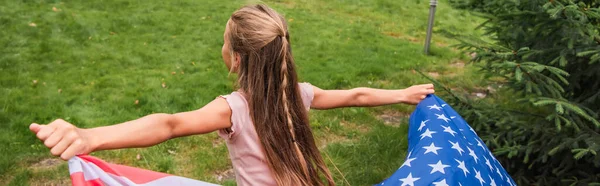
x=63 y=139
x=416 y=93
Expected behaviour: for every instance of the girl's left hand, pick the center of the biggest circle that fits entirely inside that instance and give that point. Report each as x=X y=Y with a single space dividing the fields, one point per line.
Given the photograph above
x=416 y=93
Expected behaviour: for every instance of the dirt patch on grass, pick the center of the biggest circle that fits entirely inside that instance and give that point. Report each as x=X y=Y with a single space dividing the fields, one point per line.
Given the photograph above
x=47 y=163
x=441 y=44
x=228 y=174
x=322 y=142
x=458 y=64
x=44 y=182
x=433 y=74
x=45 y=166
x=354 y=126
x=401 y=36
x=392 y=118
x=218 y=142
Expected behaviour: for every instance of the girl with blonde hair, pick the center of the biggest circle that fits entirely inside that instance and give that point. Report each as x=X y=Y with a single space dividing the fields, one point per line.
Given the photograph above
x=265 y=122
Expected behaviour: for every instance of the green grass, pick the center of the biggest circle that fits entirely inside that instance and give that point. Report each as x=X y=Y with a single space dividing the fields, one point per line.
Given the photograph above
x=89 y=61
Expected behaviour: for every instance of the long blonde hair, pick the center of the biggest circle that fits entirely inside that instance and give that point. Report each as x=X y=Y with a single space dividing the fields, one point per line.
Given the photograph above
x=267 y=77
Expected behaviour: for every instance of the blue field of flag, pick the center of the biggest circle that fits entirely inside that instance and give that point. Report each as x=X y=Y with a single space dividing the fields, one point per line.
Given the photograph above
x=444 y=150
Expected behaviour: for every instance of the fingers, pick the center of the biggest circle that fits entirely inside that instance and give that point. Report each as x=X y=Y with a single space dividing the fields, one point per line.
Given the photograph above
x=427 y=86
x=430 y=91
x=60 y=147
x=61 y=137
x=74 y=149
x=55 y=138
x=44 y=132
x=35 y=128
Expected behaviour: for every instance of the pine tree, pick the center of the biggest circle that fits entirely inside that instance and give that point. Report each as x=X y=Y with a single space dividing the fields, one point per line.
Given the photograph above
x=547 y=54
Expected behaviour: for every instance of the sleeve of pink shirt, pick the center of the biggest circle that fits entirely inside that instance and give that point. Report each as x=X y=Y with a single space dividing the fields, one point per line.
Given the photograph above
x=238 y=106
x=306 y=91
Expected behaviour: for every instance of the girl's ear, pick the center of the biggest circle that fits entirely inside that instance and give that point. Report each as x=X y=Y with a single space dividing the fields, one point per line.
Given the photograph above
x=237 y=61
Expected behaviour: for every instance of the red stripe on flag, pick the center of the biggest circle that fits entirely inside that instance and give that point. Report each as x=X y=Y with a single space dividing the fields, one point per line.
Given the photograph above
x=136 y=175
x=77 y=179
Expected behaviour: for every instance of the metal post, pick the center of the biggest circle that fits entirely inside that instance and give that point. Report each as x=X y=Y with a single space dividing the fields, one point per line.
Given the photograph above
x=432 y=5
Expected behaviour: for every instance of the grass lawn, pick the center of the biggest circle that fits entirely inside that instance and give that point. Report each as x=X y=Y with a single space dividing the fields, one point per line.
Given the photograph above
x=97 y=63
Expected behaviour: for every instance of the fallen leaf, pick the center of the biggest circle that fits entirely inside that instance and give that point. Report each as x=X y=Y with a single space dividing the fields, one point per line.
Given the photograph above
x=32 y=24
x=138 y=157
x=137 y=102
x=59 y=90
x=173 y=73
x=164 y=85
x=35 y=81
x=55 y=9
x=171 y=152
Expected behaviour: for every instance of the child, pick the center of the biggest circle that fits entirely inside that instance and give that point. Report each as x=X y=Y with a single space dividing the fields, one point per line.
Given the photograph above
x=264 y=123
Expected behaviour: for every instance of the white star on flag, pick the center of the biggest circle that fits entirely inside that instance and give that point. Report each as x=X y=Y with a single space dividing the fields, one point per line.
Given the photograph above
x=441 y=183
x=438 y=167
x=461 y=165
x=442 y=117
x=435 y=107
x=492 y=182
x=448 y=130
x=409 y=180
x=478 y=176
x=499 y=174
x=427 y=133
x=472 y=154
x=422 y=124
x=487 y=162
x=457 y=147
x=473 y=130
x=432 y=148
x=479 y=144
x=407 y=162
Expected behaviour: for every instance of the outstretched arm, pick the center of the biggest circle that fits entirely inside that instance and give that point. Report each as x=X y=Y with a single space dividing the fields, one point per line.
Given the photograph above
x=368 y=97
x=66 y=140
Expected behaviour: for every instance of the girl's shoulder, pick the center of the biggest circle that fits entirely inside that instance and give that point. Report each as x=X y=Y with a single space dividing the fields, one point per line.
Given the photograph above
x=306 y=91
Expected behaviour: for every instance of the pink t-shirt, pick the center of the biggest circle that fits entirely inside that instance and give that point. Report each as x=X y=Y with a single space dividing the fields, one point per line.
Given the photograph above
x=245 y=150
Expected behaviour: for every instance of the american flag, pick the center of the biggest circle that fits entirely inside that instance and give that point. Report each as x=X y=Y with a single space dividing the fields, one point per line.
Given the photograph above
x=444 y=150
x=87 y=170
